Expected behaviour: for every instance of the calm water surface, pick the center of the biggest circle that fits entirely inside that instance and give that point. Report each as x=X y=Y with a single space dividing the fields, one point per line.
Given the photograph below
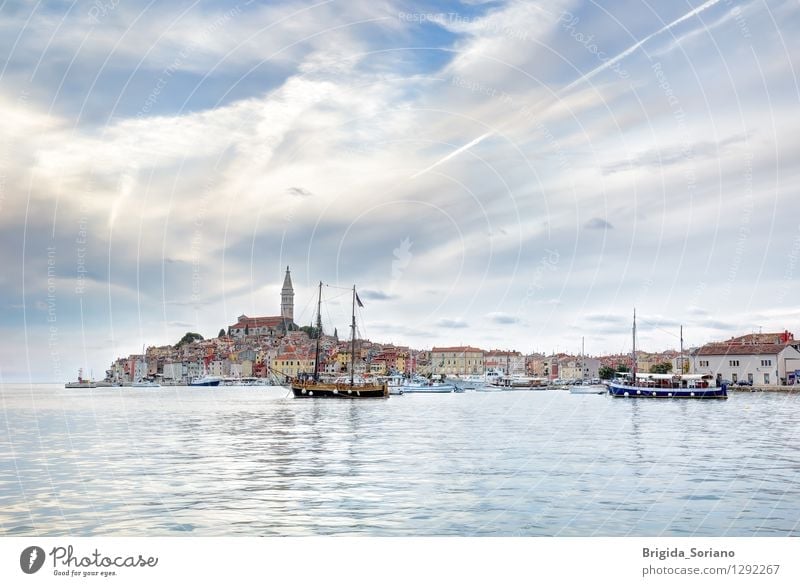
x=250 y=461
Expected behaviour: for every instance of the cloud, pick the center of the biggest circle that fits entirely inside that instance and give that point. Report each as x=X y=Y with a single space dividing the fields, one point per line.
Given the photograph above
x=598 y=224
x=299 y=191
x=669 y=155
x=377 y=295
x=499 y=317
x=451 y=323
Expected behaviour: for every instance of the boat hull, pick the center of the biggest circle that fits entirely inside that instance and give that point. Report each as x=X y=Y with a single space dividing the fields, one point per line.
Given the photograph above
x=338 y=391
x=213 y=383
x=430 y=389
x=618 y=390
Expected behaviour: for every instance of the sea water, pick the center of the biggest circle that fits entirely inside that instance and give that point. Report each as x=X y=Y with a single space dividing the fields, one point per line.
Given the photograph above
x=255 y=461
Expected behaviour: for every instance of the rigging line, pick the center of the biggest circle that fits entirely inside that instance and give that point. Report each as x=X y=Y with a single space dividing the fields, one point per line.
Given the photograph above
x=302 y=313
x=361 y=321
x=673 y=334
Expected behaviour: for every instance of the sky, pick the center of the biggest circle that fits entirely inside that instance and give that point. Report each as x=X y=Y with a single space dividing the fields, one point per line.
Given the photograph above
x=504 y=174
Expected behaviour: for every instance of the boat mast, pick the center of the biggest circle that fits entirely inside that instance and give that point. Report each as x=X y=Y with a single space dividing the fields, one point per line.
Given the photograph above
x=633 y=369
x=681 y=351
x=319 y=333
x=353 y=341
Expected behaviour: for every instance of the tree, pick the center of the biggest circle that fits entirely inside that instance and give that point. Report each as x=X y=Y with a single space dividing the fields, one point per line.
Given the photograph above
x=221 y=333
x=310 y=331
x=188 y=338
x=606 y=372
x=661 y=368
x=623 y=368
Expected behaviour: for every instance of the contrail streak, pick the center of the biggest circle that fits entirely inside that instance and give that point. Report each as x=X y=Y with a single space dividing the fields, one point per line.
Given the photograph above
x=456 y=152
x=632 y=48
x=581 y=79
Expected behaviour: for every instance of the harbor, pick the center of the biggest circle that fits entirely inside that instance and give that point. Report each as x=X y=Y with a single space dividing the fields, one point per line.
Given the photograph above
x=255 y=461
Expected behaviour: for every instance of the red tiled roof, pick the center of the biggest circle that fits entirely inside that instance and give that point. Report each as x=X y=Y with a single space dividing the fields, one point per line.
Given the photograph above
x=260 y=322
x=456 y=349
x=768 y=338
x=293 y=357
x=727 y=349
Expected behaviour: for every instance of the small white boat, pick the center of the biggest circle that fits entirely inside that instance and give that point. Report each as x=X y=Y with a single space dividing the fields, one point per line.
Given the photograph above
x=400 y=386
x=519 y=382
x=477 y=381
x=588 y=390
x=145 y=383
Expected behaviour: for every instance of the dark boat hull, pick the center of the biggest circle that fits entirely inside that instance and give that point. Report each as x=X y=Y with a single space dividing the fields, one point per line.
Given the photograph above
x=333 y=391
x=617 y=390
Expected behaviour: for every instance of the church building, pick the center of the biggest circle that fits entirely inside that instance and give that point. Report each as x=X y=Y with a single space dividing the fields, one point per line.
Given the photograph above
x=262 y=326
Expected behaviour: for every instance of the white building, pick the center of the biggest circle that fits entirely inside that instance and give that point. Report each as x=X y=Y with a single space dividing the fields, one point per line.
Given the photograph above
x=173 y=371
x=505 y=361
x=193 y=370
x=757 y=363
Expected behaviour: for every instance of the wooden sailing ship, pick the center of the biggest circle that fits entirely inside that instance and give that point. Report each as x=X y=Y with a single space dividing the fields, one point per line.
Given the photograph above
x=314 y=387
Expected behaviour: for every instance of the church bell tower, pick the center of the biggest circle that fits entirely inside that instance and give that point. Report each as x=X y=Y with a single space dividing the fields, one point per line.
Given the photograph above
x=287 y=298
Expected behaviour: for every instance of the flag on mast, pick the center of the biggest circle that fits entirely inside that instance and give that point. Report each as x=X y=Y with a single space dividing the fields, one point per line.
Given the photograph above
x=358 y=300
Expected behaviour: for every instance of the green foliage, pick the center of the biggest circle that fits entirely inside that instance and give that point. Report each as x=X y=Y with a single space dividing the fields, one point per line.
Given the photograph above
x=311 y=331
x=661 y=368
x=623 y=368
x=188 y=338
x=606 y=372
x=221 y=333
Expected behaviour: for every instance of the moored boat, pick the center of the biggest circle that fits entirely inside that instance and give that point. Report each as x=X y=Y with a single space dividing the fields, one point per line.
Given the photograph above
x=206 y=381
x=412 y=386
x=313 y=387
x=145 y=383
x=519 y=382
x=81 y=383
x=664 y=386
x=588 y=389
x=667 y=386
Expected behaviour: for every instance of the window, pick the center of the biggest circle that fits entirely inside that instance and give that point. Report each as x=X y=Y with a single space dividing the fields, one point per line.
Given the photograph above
x=734 y=377
x=766 y=363
x=766 y=378
x=704 y=363
x=733 y=363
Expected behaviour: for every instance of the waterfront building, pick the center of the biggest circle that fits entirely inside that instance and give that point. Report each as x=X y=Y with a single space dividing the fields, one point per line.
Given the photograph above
x=292 y=364
x=174 y=371
x=578 y=368
x=220 y=368
x=759 y=359
x=459 y=360
x=505 y=361
x=194 y=369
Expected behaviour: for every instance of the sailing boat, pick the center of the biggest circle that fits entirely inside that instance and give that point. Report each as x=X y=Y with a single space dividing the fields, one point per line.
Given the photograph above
x=352 y=389
x=665 y=386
